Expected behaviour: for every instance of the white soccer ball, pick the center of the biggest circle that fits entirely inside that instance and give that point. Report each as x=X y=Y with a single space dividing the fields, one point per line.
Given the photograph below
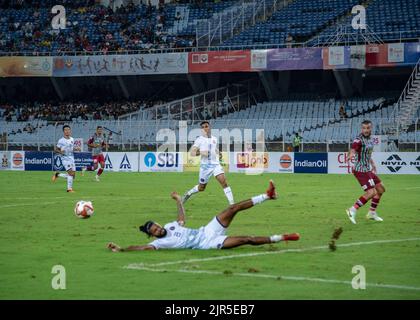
x=83 y=209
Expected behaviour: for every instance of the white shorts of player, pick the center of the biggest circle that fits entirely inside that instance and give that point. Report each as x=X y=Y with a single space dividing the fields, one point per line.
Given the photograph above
x=68 y=165
x=207 y=171
x=214 y=235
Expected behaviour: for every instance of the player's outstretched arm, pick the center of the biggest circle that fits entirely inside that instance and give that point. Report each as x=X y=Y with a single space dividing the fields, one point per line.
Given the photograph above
x=116 y=248
x=181 y=210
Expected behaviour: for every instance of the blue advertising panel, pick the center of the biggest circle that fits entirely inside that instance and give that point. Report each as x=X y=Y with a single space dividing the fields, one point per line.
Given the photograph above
x=311 y=162
x=38 y=161
x=81 y=159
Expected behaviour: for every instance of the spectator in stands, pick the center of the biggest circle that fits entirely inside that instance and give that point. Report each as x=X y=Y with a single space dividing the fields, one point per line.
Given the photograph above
x=342 y=112
x=289 y=41
x=297 y=141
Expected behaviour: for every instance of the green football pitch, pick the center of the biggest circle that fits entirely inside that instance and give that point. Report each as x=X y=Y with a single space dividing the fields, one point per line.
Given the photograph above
x=38 y=230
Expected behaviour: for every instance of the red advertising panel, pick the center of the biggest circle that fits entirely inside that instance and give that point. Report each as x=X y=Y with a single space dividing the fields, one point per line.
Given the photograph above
x=384 y=55
x=219 y=61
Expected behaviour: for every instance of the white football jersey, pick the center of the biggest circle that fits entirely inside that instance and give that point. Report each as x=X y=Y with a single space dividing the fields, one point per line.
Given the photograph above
x=178 y=237
x=67 y=145
x=209 y=145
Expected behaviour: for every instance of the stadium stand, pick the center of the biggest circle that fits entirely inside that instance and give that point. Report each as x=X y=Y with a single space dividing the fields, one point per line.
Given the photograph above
x=94 y=27
x=297 y=22
x=389 y=19
x=317 y=121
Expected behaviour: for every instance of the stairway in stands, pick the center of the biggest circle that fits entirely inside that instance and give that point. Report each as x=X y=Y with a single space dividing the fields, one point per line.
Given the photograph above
x=330 y=34
x=406 y=108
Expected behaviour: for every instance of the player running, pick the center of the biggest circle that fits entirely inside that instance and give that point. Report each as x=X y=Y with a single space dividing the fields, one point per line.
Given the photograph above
x=206 y=147
x=212 y=236
x=65 y=147
x=97 y=142
x=365 y=172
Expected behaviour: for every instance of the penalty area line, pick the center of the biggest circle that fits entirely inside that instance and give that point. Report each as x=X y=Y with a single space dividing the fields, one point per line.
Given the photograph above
x=281 y=277
x=253 y=254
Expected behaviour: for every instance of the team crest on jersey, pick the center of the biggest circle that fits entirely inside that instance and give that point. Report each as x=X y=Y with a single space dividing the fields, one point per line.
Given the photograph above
x=172 y=228
x=108 y=163
x=125 y=163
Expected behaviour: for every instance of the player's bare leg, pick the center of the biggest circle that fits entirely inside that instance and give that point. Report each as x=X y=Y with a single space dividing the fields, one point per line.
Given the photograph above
x=101 y=169
x=233 y=242
x=372 y=214
x=69 y=176
x=198 y=188
x=351 y=212
x=226 y=216
x=89 y=168
x=228 y=191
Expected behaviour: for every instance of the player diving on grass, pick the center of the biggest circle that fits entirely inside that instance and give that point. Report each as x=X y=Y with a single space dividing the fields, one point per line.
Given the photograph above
x=65 y=148
x=97 y=143
x=364 y=171
x=212 y=236
x=206 y=146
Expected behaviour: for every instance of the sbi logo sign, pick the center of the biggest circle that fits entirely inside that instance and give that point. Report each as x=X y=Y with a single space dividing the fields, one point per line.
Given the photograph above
x=161 y=160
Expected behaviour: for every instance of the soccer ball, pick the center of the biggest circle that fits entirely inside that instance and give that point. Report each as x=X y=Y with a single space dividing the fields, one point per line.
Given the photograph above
x=83 y=209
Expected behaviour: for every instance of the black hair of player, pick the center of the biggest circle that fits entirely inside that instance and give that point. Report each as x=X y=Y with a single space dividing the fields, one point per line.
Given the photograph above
x=66 y=126
x=367 y=122
x=204 y=122
x=146 y=227
x=98 y=127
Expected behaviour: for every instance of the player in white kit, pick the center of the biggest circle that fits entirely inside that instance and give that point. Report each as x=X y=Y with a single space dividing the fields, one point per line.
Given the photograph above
x=212 y=236
x=65 y=147
x=206 y=147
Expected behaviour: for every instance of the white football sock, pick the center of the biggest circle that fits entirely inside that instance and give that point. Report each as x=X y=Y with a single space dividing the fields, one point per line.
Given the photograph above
x=258 y=199
x=229 y=195
x=193 y=190
x=63 y=175
x=353 y=209
x=69 y=182
x=276 y=238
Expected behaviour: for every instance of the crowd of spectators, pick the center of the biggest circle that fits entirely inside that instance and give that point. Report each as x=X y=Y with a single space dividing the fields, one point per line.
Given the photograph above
x=90 y=27
x=66 y=111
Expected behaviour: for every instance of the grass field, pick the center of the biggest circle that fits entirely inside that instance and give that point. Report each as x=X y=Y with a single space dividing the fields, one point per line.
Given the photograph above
x=39 y=230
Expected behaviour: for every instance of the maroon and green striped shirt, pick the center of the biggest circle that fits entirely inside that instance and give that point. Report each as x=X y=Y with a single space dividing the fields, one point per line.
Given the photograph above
x=364 y=148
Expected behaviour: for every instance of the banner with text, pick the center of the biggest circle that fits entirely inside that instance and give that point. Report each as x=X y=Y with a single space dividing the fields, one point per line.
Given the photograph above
x=25 y=66
x=138 y=64
x=161 y=162
x=219 y=61
x=386 y=162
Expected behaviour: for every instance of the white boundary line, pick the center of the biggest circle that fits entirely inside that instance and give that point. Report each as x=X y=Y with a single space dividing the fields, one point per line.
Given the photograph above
x=153 y=267
x=281 y=277
x=253 y=254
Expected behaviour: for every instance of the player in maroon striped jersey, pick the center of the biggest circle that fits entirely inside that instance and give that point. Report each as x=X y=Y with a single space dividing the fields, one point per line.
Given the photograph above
x=97 y=142
x=365 y=172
